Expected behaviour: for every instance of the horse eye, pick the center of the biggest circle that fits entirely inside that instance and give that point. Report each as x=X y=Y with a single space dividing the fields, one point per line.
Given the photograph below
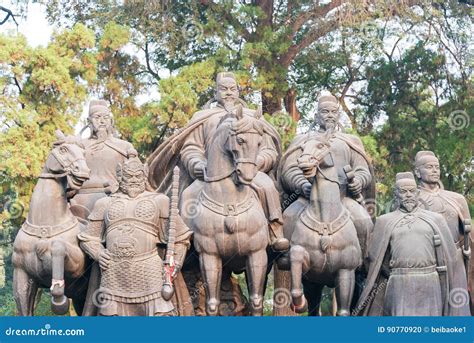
x=240 y=140
x=320 y=146
x=63 y=150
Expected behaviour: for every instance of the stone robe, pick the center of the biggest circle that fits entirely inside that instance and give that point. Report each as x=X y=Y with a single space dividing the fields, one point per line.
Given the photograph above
x=102 y=158
x=413 y=269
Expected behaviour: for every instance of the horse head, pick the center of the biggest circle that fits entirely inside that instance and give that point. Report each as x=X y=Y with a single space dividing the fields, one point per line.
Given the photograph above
x=67 y=159
x=315 y=154
x=243 y=144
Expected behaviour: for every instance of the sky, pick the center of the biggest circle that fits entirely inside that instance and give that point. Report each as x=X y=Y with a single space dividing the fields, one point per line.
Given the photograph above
x=37 y=31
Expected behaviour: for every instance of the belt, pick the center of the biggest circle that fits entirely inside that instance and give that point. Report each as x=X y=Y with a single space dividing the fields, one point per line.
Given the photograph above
x=421 y=270
x=137 y=257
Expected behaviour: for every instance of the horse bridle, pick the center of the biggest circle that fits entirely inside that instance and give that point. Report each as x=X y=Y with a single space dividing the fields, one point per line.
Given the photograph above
x=66 y=166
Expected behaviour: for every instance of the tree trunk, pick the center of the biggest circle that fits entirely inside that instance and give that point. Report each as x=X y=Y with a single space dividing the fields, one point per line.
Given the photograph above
x=290 y=104
x=281 y=292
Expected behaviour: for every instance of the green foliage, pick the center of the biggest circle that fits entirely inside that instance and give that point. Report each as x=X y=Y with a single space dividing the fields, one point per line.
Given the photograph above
x=43 y=90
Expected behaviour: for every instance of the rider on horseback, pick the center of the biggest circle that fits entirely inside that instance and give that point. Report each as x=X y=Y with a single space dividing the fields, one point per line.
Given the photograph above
x=347 y=151
x=190 y=145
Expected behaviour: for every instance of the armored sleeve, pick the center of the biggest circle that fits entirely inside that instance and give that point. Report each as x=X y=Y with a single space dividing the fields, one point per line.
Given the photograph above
x=292 y=178
x=90 y=240
x=193 y=151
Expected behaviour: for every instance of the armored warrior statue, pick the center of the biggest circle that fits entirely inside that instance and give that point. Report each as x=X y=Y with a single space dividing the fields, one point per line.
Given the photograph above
x=122 y=235
x=413 y=269
x=354 y=170
x=189 y=147
x=103 y=153
x=452 y=206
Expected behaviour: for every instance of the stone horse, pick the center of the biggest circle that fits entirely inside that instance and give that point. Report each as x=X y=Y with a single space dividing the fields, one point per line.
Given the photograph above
x=325 y=250
x=46 y=253
x=230 y=232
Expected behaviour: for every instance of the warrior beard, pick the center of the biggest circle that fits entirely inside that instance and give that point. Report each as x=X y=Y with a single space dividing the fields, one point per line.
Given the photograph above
x=132 y=189
x=102 y=133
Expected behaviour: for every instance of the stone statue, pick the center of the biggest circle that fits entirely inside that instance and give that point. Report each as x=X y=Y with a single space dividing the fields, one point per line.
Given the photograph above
x=103 y=153
x=353 y=167
x=46 y=253
x=230 y=232
x=122 y=235
x=325 y=250
x=354 y=175
x=190 y=146
x=187 y=149
x=452 y=206
x=413 y=262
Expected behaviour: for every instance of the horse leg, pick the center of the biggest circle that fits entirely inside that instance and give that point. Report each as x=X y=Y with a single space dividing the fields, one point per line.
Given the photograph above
x=256 y=272
x=313 y=293
x=211 y=269
x=299 y=259
x=24 y=291
x=345 y=280
x=59 y=302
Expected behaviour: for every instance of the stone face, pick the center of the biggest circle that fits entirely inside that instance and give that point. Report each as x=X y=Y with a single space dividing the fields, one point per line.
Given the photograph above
x=123 y=233
x=412 y=258
x=452 y=206
x=103 y=152
x=214 y=185
x=316 y=170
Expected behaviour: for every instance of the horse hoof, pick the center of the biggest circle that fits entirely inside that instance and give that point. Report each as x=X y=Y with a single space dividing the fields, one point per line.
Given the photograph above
x=300 y=308
x=57 y=291
x=343 y=313
x=212 y=308
x=59 y=305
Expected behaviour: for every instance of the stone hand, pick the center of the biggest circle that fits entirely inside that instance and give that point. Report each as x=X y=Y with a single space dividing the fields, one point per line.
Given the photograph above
x=355 y=187
x=199 y=170
x=176 y=270
x=104 y=259
x=307 y=190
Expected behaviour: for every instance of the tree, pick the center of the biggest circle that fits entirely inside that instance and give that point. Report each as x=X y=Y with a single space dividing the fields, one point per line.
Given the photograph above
x=43 y=89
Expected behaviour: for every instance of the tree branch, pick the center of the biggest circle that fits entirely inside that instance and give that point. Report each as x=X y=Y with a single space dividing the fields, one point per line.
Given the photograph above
x=148 y=65
x=9 y=14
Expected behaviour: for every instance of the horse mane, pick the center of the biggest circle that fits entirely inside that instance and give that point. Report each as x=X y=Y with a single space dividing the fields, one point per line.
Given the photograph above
x=69 y=140
x=247 y=124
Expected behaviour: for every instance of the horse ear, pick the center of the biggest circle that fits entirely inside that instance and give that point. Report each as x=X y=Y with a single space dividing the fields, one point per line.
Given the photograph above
x=259 y=112
x=60 y=135
x=239 y=113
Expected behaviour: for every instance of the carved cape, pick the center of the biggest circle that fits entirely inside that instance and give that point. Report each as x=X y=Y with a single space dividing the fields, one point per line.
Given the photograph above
x=371 y=301
x=167 y=155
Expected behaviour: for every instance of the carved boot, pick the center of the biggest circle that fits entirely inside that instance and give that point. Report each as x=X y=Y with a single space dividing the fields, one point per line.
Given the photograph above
x=277 y=241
